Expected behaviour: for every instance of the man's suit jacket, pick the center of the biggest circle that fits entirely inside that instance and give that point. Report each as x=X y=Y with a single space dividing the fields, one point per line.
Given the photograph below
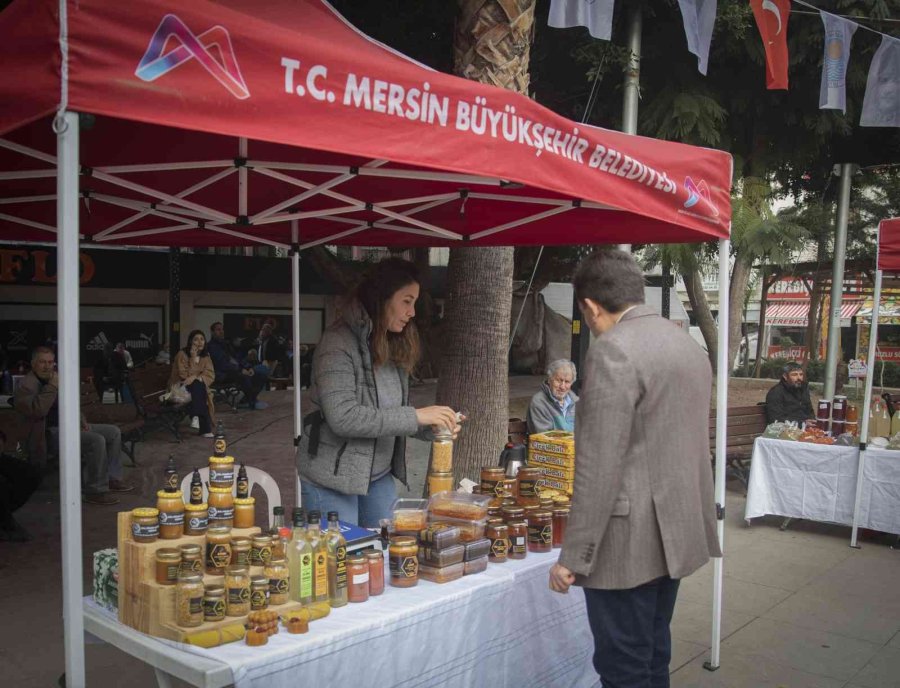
x=643 y=505
x=33 y=402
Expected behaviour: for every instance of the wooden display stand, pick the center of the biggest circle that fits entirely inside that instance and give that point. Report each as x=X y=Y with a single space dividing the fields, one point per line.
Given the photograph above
x=149 y=607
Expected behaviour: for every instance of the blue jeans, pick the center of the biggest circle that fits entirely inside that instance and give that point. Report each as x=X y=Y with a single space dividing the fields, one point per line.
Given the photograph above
x=364 y=510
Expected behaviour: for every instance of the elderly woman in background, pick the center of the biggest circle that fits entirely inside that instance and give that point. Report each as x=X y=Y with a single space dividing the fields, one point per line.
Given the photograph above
x=553 y=408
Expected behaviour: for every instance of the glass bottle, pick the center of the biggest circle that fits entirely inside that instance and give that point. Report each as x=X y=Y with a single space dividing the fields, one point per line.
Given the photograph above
x=170 y=482
x=219 y=444
x=196 y=488
x=319 y=546
x=300 y=561
x=277 y=520
x=337 y=562
x=243 y=483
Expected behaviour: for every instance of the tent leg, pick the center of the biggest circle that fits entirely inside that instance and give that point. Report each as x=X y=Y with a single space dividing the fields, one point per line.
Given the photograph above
x=67 y=298
x=295 y=310
x=721 y=428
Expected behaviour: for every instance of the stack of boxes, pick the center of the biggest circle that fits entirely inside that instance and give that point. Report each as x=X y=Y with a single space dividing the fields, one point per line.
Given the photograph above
x=553 y=453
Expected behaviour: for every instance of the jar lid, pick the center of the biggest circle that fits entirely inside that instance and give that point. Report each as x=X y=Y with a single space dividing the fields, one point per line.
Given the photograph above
x=240 y=541
x=403 y=540
x=541 y=513
x=528 y=470
x=499 y=527
x=259 y=581
x=262 y=539
x=214 y=590
x=356 y=559
x=493 y=470
x=145 y=512
x=221 y=459
x=163 y=494
x=167 y=553
x=190 y=549
x=440 y=474
x=496 y=521
x=197 y=507
x=513 y=511
x=560 y=510
x=219 y=490
x=243 y=501
x=191 y=577
x=519 y=523
x=278 y=561
x=236 y=570
x=443 y=435
x=218 y=530
x=374 y=554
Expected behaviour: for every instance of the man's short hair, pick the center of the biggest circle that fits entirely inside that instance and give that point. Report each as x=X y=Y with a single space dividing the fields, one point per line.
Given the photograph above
x=790 y=367
x=38 y=350
x=611 y=278
x=213 y=326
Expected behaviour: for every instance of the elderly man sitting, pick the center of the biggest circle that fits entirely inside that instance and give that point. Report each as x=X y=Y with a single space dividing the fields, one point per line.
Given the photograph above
x=553 y=408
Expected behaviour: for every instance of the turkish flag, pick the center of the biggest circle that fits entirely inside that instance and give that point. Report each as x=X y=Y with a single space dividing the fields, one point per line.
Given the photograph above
x=772 y=19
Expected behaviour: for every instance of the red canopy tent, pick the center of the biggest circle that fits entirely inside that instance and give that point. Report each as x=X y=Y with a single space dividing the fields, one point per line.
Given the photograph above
x=224 y=122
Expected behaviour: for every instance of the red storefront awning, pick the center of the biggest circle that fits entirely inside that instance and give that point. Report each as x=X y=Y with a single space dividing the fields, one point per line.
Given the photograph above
x=794 y=313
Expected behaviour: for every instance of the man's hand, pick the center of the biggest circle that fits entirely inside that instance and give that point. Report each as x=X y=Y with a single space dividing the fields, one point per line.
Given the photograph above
x=54 y=379
x=561 y=578
x=189 y=380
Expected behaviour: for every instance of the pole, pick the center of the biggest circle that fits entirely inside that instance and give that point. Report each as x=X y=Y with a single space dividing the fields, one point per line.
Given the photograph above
x=845 y=170
x=174 y=301
x=67 y=304
x=295 y=312
x=632 y=86
x=721 y=443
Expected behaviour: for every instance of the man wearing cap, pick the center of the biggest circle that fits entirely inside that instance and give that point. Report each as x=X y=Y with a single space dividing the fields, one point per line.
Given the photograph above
x=789 y=399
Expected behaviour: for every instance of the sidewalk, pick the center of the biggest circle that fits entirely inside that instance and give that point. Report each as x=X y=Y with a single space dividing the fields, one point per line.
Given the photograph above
x=801 y=609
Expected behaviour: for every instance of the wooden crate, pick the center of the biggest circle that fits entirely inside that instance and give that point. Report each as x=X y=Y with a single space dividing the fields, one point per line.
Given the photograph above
x=149 y=607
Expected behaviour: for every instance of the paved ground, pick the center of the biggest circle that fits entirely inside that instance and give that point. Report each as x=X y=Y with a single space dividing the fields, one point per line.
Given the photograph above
x=802 y=609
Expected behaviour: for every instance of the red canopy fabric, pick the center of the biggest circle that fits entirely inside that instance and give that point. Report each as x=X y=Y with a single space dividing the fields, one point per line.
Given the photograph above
x=218 y=123
x=889 y=245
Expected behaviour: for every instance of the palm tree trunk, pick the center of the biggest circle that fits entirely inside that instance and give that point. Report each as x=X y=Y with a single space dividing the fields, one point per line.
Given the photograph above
x=693 y=285
x=740 y=280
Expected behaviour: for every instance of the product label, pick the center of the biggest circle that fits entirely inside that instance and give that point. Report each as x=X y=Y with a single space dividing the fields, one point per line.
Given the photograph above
x=499 y=547
x=306 y=576
x=196 y=494
x=403 y=566
x=547 y=535
x=340 y=567
x=220 y=514
x=360 y=578
x=168 y=518
x=146 y=531
x=214 y=609
x=171 y=483
x=493 y=487
x=191 y=566
x=221 y=475
x=279 y=586
x=241 y=557
x=518 y=545
x=199 y=522
x=259 y=600
x=218 y=556
x=219 y=447
x=238 y=595
x=172 y=571
x=243 y=488
x=260 y=556
x=321 y=575
x=195 y=605
x=528 y=488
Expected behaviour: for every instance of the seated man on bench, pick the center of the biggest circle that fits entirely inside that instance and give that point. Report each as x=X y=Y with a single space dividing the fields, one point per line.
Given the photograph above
x=230 y=371
x=789 y=399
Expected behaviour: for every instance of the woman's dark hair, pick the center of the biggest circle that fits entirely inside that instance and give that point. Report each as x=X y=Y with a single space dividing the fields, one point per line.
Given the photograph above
x=194 y=333
x=380 y=283
x=611 y=278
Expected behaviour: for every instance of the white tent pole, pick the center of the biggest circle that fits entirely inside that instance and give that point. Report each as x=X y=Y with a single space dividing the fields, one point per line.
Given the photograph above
x=523 y=221
x=27 y=223
x=167 y=167
x=69 y=397
x=721 y=443
x=864 y=407
x=295 y=310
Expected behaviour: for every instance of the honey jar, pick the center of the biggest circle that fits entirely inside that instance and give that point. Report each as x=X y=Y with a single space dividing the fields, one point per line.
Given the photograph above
x=518 y=539
x=191 y=559
x=240 y=550
x=196 y=518
x=244 y=508
x=498 y=534
x=358 y=578
x=526 y=486
x=440 y=482
x=237 y=591
x=168 y=561
x=492 y=481
x=259 y=593
x=214 y=603
x=171 y=514
x=189 y=600
x=442 y=451
x=144 y=524
x=261 y=550
x=560 y=521
x=540 y=531
x=221 y=507
x=221 y=472
x=218 y=550
x=404 y=565
x=279 y=581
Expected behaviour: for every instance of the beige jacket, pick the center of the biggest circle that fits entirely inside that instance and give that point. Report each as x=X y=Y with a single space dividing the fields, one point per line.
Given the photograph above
x=643 y=505
x=184 y=367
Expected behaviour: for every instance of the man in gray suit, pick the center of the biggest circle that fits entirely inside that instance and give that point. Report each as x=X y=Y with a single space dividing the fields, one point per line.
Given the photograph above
x=643 y=511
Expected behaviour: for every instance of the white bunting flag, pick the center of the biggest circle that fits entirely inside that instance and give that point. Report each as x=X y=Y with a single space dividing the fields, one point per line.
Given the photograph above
x=699 y=17
x=881 y=106
x=596 y=15
x=838 y=34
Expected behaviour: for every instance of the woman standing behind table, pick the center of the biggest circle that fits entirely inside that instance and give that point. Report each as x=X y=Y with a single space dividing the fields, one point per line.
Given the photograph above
x=354 y=436
x=193 y=367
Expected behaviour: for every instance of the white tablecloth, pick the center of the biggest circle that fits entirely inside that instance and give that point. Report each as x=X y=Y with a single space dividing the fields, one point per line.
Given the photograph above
x=502 y=627
x=818 y=482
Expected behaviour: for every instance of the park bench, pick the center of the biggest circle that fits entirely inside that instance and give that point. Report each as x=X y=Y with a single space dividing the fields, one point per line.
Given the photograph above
x=744 y=424
x=146 y=384
x=123 y=415
x=226 y=392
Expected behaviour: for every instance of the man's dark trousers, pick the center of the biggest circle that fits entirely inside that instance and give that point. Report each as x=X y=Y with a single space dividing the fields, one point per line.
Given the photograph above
x=632 y=644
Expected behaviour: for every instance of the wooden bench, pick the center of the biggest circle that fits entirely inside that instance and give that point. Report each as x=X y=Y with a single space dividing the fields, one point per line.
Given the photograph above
x=146 y=384
x=280 y=382
x=744 y=424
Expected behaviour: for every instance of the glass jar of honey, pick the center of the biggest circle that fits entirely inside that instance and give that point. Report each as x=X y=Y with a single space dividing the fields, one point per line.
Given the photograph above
x=168 y=561
x=259 y=593
x=218 y=550
x=526 y=486
x=214 y=603
x=196 y=518
x=357 y=578
x=518 y=539
x=191 y=559
x=240 y=550
x=442 y=451
x=560 y=521
x=237 y=591
x=512 y=513
x=498 y=533
x=540 y=531
x=221 y=472
x=244 y=512
x=375 y=560
x=171 y=514
x=261 y=550
x=189 y=600
x=493 y=481
x=403 y=563
x=144 y=524
x=440 y=482
x=546 y=503
x=221 y=507
x=279 y=581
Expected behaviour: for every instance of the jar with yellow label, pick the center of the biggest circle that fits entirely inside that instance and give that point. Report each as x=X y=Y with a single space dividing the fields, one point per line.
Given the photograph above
x=218 y=550
x=191 y=559
x=240 y=550
x=168 y=561
x=221 y=472
x=261 y=550
x=171 y=514
x=214 y=603
x=221 y=507
x=526 y=486
x=277 y=573
x=244 y=508
x=440 y=482
x=189 y=600
x=492 y=481
x=144 y=524
x=237 y=591
x=196 y=518
x=259 y=593
x=404 y=564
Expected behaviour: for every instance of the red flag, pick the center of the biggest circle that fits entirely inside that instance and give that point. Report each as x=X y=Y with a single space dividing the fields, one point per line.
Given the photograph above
x=772 y=19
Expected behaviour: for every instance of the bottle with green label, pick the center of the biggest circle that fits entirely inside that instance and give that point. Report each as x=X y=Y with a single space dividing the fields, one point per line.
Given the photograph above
x=337 y=562
x=319 y=546
x=300 y=561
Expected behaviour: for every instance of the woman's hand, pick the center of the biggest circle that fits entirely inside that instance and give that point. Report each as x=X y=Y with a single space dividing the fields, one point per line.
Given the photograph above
x=438 y=416
x=189 y=380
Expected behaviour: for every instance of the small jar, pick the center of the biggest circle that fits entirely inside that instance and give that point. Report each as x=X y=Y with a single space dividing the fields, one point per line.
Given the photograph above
x=237 y=591
x=498 y=534
x=261 y=550
x=494 y=512
x=171 y=514
x=189 y=600
x=277 y=573
x=168 y=561
x=196 y=518
x=218 y=550
x=375 y=560
x=442 y=451
x=540 y=531
x=403 y=563
x=492 y=481
x=191 y=559
x=244 y=512
x=221 y=472
x=560 y=521
x=440 y=482
x=144 y=525
x=214 y=603
x=518 y=539
x=240 y=550
x=357 y=578
x=526 y=486
x=512 y=513
x=221 y=507
x=259 y=593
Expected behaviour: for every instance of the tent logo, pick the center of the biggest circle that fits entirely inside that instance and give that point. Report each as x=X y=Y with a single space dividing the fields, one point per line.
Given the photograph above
x=697 y=192
x=225 y=69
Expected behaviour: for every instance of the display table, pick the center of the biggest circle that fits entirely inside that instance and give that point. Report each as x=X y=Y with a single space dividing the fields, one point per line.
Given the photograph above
x=502 y=627
x=818 y=483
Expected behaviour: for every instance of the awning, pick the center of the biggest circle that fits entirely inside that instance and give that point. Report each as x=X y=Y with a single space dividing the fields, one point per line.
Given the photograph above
x=794 y=313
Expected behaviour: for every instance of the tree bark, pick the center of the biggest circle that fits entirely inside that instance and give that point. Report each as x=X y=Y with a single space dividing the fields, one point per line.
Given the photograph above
x=693 y=285
x=737 y=292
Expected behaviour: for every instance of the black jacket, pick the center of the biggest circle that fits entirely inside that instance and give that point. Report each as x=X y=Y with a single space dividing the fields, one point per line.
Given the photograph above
x=788 y=403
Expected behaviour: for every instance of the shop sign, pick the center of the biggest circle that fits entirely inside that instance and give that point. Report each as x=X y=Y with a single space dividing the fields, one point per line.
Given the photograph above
x=787 y=352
